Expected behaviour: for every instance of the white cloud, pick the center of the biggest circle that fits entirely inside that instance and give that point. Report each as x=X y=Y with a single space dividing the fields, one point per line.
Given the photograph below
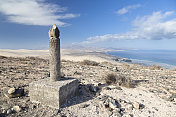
x=126 y=9
x=152 y=27
x=34 y=12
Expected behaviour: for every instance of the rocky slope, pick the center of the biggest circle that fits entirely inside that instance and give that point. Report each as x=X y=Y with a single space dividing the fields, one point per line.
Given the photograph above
x=154 y=93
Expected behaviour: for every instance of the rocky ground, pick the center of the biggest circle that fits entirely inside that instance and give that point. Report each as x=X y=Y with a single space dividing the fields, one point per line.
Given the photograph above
x=153 y=94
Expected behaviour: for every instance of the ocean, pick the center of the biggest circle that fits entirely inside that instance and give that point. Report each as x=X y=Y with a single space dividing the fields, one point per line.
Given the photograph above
x=165 y=58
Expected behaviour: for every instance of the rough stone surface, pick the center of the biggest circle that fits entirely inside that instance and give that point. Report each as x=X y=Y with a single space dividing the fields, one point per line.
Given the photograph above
x=16 y=108
x=54 y=32
x=13 y=93
x=136 y=105
x=53 y=94
x=11 y=90
x=54 y=50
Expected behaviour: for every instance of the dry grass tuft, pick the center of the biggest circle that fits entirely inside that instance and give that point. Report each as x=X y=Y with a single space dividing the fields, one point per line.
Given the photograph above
x=88 y=62
x=156 y=67
x=2 y=57
x=112 y=78
x=63 y=60
x=174 y=69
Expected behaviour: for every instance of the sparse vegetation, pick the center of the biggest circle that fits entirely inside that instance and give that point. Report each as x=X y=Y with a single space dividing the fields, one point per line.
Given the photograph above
x=2 y=57
x=112 y=78
x=156 y=67
x=63 y=60
x=88 y=62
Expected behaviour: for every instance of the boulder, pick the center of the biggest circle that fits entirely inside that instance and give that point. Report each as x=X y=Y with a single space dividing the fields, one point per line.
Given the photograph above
x=13 y=93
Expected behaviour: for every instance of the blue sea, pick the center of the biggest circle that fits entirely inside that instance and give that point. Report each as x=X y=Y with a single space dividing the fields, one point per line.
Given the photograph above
x=165 y=58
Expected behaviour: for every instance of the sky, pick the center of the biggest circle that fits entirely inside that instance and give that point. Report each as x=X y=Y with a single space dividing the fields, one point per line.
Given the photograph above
x=124 y=24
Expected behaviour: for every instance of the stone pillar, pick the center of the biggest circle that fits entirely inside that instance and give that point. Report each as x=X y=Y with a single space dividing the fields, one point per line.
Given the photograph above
x=53 y=91
x=54 y=50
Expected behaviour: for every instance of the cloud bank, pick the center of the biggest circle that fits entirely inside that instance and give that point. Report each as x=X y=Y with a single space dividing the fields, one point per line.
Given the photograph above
x=126 y=9
x=34 y=12
x=151 y=27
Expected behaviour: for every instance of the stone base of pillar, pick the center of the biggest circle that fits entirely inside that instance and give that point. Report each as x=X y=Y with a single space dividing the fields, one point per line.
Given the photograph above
x=53 y=94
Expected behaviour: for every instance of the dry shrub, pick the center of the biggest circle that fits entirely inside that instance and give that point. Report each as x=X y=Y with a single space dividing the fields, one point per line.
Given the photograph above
x=63 y=60
x=127 y=66
x=174 y=69
x=88 y=62
x=112 y=78
x=2 y=57
x=106 y=63
x=156 y=67
x=34 y=58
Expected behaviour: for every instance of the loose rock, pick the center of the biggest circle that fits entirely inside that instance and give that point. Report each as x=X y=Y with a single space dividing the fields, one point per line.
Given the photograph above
x=13 y=93
x=136 y=105
x=129 y=107
x=11 y=90
x=9 y=111
x=93 y=88
x=16 y=108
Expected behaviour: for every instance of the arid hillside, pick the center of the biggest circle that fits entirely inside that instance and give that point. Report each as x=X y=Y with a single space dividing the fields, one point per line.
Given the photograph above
x=105 y=89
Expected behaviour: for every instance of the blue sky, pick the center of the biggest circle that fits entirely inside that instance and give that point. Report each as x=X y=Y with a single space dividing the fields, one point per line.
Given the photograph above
x=129 y=24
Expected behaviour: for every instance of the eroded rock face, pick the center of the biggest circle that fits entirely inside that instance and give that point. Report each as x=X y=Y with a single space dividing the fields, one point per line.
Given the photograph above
x=54 y=32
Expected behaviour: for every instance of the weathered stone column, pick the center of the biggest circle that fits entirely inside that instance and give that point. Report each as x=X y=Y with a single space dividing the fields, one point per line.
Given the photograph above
x=55 y=92
x=54 y=50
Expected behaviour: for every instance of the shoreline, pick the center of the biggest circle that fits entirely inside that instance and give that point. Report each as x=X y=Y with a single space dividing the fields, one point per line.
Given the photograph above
x=99 y=55
x=145 y=61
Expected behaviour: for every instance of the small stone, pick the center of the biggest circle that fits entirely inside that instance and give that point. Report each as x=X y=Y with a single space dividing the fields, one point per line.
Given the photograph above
x=33 y=106
x=4 y=111
x=5 y=106
x=122 y=101
x=16 y=108
x=103 y=97
x=59 y=115
x=117 y=114
x=92 y=88
x=62 y=75
x=136 y=105
x=11 y=90
x=9 y=111
x=16 y=93
x=116 y=110
x=155 y=108
x=115 y=69
x=129 y=107
x=106 y=88
x=56 y=112
x=112 y=87
x=118 y=88
x=112 y=103
x=84 y=105
x=127 y=115
x=175 y=99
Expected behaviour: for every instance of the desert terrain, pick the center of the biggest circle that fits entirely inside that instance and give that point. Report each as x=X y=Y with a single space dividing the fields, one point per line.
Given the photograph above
x=107 y=88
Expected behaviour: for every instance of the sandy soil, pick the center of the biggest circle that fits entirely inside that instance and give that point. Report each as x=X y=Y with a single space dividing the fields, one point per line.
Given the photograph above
x=67 y=54
x=154 y=94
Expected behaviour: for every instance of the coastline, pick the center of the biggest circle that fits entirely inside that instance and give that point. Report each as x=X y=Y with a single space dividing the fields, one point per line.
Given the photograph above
x=149 y=57
x=99 y=55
